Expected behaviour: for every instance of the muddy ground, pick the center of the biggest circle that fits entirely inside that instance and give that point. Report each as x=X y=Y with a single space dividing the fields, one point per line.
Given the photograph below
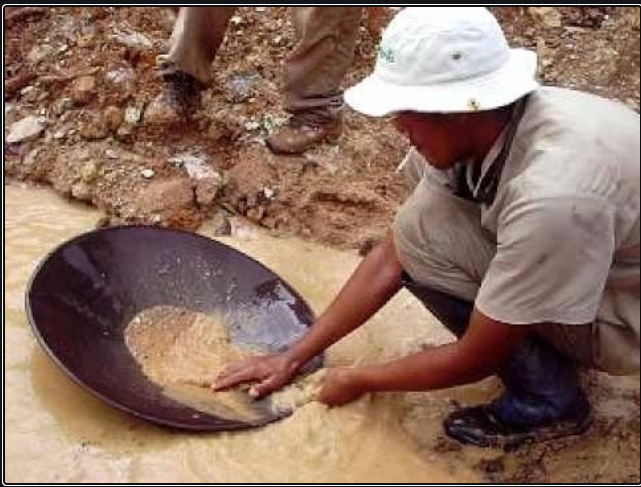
x=78 y=81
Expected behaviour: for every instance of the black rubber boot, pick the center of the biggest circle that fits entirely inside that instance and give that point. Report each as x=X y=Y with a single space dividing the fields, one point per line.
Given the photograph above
x=542 y=401
x=542 y=398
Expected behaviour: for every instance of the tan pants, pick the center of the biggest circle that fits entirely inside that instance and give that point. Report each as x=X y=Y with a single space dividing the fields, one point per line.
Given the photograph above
x=313 y=72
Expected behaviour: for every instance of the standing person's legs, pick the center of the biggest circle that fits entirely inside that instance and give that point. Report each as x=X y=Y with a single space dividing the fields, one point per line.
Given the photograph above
x=326 y=38
x=542 y=397
x=197 y=36
x=313 y=72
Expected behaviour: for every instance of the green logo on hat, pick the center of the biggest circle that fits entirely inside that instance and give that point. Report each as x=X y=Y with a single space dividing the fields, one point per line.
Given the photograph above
x=387 y=54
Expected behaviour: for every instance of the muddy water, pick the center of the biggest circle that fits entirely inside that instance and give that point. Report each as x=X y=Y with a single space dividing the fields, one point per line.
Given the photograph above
x=55 y=432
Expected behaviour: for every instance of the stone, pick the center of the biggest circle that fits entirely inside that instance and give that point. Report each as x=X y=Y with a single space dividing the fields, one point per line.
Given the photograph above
x=112 y=154
x=83 y=89
x=548 y=16
x=89 y=170
x=196 y=166
x=122 y=78
x=147 y=173
x=220 y=225
x=81 y=191
x=93 y=128
x=62 y=106
x=240 y=87
x=124 y=132
x=113 y=117
x=29 y=128
x=133 y=115
x=166 y=196
x=159 y=112
x=39 y=53
x=207 y=191
x=132 y=39
x=31 y=158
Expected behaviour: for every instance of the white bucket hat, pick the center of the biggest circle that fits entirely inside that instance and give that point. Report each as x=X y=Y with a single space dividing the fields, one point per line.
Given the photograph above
x=444 y=60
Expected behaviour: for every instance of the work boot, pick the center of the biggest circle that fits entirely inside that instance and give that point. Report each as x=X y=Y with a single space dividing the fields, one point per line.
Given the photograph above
x=179 y=100
x=303 y=131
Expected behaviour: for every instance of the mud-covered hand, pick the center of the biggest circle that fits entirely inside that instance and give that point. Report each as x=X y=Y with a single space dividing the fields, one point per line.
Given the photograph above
x=341 y=386
x=271 y=373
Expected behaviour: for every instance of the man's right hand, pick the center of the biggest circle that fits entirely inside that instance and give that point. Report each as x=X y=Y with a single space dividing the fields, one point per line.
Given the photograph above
x=272 y=372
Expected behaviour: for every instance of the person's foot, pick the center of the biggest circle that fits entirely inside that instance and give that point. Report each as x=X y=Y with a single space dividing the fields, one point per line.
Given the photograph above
x=179 y=100
x=303 y=131
x=479 y=426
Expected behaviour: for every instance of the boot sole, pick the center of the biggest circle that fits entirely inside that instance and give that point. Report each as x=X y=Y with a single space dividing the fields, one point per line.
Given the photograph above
x=513 y=440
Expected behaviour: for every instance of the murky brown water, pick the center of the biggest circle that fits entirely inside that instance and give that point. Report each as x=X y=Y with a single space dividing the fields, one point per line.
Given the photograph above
x=56 y=432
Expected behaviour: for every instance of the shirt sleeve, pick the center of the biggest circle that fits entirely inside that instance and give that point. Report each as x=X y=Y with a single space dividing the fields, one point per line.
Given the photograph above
x=552 y=263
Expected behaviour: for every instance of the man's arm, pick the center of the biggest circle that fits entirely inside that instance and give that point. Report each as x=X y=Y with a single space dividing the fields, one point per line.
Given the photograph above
x=372 y=285
x=486 y=346
x=375 y=281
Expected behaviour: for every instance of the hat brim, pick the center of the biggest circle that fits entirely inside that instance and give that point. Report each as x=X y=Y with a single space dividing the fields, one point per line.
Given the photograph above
x=517 y=78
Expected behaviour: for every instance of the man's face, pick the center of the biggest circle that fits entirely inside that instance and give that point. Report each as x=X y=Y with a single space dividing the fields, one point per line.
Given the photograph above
x=437 y=137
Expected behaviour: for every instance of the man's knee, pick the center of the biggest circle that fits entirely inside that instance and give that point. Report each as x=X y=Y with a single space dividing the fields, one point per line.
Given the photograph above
x=450 y=310
x=444 y=248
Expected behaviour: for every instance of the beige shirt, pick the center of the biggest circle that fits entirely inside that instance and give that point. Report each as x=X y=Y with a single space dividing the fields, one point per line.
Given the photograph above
x=565 y=221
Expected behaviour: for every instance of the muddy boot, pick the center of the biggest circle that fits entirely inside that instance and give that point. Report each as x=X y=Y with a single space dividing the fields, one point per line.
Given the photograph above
x=542 y=401
x=303 y=131
x=542 y=398
x=179 y=100
x=480 y=426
